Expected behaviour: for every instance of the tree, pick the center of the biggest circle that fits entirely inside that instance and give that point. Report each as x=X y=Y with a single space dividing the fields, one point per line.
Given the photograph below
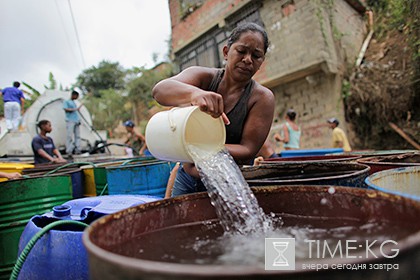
x=116 y=94
x=53 y=82
x=34 y=94
x=108 y=109
x=107 y=75
x=140 y=88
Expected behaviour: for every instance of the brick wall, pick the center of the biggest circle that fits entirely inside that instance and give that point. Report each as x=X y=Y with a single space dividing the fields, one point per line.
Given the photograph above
x=314 y=100
x=305 y=66
x=311 y=46
x=209 y=14
x=297 y=42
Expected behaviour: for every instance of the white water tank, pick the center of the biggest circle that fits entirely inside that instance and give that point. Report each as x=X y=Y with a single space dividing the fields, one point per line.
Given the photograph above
x=48 y=106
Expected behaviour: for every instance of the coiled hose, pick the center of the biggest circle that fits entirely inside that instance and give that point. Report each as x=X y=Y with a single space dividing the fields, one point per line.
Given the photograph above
x=21 y=260
x=69 y=164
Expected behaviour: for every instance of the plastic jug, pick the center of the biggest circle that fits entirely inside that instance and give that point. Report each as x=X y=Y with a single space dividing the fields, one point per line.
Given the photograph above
x=169 y=133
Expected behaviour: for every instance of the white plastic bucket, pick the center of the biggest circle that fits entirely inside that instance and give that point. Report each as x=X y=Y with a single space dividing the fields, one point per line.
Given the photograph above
x=169 y=132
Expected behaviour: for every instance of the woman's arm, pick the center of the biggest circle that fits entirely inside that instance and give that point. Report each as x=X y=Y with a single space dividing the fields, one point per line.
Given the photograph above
x=188 y=88
x=278 y=137
x=286 y=138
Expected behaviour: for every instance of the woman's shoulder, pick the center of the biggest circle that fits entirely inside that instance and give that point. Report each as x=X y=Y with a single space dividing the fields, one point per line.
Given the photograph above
x=262 y=89
x=263 y=93
x=197 y=75
x=201 y=70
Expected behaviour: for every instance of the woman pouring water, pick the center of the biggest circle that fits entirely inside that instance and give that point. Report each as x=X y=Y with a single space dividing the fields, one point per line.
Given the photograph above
x=246 y=106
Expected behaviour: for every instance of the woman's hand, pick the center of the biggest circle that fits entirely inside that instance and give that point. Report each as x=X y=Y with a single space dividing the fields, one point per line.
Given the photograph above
x=208 y=102
x=278 y=138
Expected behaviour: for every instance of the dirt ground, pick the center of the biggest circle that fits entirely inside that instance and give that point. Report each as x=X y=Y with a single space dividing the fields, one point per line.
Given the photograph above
x=381 y=91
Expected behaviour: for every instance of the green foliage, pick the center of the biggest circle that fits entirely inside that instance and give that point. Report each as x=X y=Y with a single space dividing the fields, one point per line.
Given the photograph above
x=382 y=92
x=108 y=109
x=403 y=16
x=53 y=82
x=390 y=15
x=345 y=89
x=34 y=92
x=108 y=75
x=116 y=94
x=140 y=88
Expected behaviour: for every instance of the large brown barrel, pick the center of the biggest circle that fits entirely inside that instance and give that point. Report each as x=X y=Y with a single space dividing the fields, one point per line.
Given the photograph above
x=307 y=173
x=322 y=158
x=380 y=163
x=108 y=239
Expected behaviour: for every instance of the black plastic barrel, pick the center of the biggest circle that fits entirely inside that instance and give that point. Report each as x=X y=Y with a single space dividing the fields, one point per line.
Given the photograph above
x=310 y=173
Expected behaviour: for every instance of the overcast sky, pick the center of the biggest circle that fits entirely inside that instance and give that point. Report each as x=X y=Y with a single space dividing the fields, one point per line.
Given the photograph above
x=38 y=37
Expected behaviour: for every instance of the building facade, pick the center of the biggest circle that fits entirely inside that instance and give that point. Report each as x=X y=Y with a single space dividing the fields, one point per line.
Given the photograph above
x=312 y=43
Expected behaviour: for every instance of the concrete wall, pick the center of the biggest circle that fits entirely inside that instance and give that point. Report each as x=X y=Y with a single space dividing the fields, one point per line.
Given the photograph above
x=310 y=50
x=209 y=14
x=312 y=44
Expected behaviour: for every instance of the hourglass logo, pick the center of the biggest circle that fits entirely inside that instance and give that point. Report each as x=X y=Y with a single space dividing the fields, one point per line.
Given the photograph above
x=279 y=254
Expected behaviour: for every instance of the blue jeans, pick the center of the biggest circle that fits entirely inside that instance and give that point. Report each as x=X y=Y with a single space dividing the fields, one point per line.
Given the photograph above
x=73 y=137
x=185 y=183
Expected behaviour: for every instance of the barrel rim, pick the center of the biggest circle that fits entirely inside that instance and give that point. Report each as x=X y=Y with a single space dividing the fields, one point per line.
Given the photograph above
x=357 y=173
x=368 y=160
x=380 y=174
x=165 y=268
x=312 y=159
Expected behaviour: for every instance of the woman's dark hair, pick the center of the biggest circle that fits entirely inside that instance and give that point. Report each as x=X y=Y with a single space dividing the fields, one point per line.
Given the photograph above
x=291 y=114
x=248 y=26
x=42 y=123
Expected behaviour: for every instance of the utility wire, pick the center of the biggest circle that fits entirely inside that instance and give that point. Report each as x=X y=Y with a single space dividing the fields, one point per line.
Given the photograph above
x=77 y=34
x=65 y=31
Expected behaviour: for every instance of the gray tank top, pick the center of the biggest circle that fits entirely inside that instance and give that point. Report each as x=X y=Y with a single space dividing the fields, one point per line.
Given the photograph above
x=238 y=114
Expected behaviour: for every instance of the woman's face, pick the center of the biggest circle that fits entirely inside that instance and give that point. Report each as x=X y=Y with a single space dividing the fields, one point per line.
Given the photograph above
x=245 y=56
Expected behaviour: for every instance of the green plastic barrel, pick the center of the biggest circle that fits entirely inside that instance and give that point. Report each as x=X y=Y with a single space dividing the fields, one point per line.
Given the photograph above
x=96 y=182
x=19 y=201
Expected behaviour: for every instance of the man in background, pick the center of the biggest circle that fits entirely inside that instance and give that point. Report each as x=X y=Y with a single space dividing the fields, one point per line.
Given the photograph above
x=339 y=138
x=13 y=106
x=43 y=146
x=72 y=124
x=135 y=140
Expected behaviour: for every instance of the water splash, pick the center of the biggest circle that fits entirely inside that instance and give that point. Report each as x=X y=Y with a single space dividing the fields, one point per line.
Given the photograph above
x=234 y=202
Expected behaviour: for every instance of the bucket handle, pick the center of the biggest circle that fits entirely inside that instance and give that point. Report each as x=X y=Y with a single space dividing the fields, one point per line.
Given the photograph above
x=172 y=125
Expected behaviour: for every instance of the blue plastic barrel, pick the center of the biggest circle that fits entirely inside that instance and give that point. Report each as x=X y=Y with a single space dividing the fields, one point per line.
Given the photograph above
x=147 y=179
x=60 y=253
